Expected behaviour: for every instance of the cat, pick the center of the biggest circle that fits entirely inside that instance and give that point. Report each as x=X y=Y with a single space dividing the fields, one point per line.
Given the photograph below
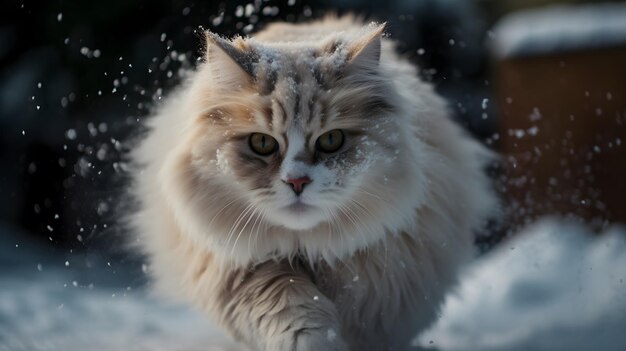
x=308 y=191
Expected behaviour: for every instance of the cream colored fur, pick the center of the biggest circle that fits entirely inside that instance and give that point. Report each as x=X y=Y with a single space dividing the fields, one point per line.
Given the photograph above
x=364 y=268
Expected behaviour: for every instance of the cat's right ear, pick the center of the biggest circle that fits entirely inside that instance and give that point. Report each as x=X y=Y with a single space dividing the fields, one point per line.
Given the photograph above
x=231 y=62
x=364 y=53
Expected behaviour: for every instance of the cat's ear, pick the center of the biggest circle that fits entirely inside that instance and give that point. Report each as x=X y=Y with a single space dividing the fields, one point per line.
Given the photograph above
x=232 y=61
x=364 y=52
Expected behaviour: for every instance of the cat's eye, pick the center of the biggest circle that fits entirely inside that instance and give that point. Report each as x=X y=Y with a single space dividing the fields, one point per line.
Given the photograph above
x=262 y=144
x=330 y=141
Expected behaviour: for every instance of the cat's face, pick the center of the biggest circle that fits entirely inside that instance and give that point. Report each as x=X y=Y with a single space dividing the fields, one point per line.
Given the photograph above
x=301 y=136
x=299 y=159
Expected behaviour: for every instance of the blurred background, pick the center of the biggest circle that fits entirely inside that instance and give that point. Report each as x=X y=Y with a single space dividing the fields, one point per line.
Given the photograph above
x=541 y=82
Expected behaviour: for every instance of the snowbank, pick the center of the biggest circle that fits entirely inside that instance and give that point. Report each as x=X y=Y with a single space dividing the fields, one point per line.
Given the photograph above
x=554 y=287
x=52 y=302
x=52 y=314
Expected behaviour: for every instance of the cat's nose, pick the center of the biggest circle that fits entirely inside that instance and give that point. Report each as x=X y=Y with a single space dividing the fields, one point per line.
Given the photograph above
x=297 y=184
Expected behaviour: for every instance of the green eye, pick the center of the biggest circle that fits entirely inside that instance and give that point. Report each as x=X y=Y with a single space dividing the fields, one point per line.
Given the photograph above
x=262 y=144
x=330 y=141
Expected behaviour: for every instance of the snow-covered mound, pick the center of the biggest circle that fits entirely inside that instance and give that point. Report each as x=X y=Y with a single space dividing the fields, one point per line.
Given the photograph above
x=553 y=287
x=52 y=314
x=560 y=28
x=50 y=301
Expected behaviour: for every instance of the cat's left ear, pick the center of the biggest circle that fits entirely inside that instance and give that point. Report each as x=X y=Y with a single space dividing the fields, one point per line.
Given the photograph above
x=364 y=52
x=228 y=58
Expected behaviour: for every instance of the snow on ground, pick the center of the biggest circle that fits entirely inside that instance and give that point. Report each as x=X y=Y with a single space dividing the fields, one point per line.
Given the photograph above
x=554 y=287
x=46 y=315
x=53 y=302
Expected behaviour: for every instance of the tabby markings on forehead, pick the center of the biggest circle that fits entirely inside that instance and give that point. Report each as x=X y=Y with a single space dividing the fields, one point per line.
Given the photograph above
x=267 y=85
x=312 y=105
x=267 y=114
x=282 y=113
x=266 y=77
x=296 y=105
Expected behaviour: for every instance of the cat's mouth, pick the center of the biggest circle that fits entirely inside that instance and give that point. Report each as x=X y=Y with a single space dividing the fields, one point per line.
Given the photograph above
x=298 y=207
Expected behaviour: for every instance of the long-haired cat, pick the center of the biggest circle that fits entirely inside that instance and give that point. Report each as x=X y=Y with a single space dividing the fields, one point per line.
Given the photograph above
x=308 y=191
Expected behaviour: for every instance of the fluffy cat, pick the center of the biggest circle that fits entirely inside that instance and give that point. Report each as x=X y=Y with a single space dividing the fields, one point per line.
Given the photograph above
x=308 y=191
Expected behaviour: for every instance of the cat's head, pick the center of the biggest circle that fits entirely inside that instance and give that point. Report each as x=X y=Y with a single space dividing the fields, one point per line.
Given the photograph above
x=299 y=135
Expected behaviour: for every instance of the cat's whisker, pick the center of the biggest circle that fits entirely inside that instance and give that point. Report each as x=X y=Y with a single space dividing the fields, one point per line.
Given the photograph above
x=384 y=243
x=236 y=223
x=362 y=191
x=369 y=213
x=223 y=208
x=254 y=211
x=343 y=209
x=362 y=224
x=391 y=206
x=262 y=191
x=252 y=230
x=328 y=214
x=256 y=234
x=345 y=262
x=335 y=220
x=363 y=207
x=361 y=230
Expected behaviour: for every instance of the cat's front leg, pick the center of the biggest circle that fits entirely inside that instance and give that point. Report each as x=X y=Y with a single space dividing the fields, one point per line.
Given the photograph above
x=277 y=307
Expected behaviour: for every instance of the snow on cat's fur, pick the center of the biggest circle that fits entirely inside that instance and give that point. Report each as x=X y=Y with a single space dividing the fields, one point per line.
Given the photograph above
x=361 y=259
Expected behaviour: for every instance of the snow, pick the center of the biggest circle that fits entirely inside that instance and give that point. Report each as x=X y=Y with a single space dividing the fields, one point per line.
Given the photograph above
x=50 y=302
x=51 y=315
x=552 y=287
x=558 y=28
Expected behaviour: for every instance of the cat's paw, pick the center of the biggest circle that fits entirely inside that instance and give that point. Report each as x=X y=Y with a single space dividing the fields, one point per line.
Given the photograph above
x=317 y=339
x=307 y=339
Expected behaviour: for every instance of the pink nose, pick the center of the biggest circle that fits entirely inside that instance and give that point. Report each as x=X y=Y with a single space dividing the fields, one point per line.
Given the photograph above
x=297 y=184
